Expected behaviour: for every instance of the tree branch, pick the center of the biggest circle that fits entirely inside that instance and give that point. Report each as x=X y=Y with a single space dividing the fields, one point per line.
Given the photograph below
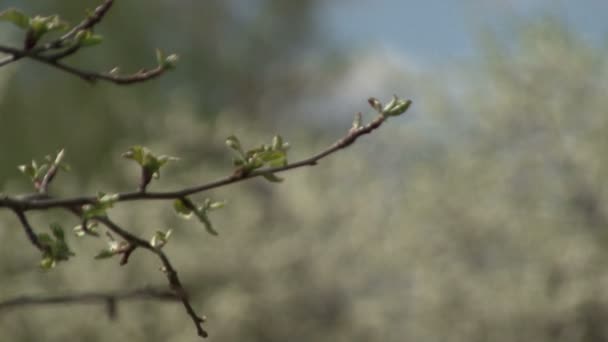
x=53 y=59
x=146 y=293
x=42 y=203
x=89 y=76
x=29 y=231
x=110 y=299
x=174 y=282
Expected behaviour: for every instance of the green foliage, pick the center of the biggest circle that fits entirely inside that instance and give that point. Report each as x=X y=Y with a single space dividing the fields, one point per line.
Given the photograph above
x=36 y=27
x=91 y=229
x=40 y=26
x=114 y=248
x=55 y=246
x=147 y=160
x=185 y=208
x=36 y=172
x=273 y=155
x=395 y=107
x=160 y=238
x=166 y=62
x=88 y=38
x=150 y=163
x=99 y=208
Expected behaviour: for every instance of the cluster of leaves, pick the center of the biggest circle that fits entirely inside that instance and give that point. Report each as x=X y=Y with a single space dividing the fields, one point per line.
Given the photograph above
x=71 y=40
x=55 y=247
x=36 y=172
x=395 y=107
x=38 y=26
x=187 y=209
x=99 y=208
x=150 y=163
x=114 y=248
x=273 y=155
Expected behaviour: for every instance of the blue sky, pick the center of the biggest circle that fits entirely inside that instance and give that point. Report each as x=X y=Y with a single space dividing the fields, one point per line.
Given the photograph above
x=441 y=30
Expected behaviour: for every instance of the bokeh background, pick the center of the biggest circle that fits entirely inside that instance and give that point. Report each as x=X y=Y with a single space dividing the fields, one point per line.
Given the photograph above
x=482 y=215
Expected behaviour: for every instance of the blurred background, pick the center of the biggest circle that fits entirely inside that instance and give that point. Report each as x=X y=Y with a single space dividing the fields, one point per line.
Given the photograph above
x=481 y=215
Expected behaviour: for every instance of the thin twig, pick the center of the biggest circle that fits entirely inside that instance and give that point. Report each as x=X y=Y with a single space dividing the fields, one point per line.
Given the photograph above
x=90 y=297
x=29 y=231
x=174 y=282
x=87 y=24
x=53 y=59
x=48 y=203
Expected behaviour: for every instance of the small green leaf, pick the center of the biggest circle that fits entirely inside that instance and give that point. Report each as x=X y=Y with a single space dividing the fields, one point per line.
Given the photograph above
x=254 y=163
x=105 y=254
x=59 y=157
x=160 y=238
x=153 y=164
x=47 y=263
x=16 y=17
x=136 y=153
x=45 y=239
x=27 y=170
x=216 y=205
x=204 y=219
x=87 y=38
x=93 y=210
x=108 y=199
x=277 y=142
x=399 y=108
x=375 y=104
x=148 y=161
x=99 y=208
x=274 y=158
x=61 y=251
x=160 y=57
x=234 y=143
x=183 y=207
x=391 y=104
x=57 y=231
x=39 y=26
x=271 y=177
x=170 y=62
x=56 y=249
x=91 y=229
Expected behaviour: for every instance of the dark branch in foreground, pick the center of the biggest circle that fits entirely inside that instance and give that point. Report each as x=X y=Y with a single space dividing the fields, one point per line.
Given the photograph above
x=110 y=299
